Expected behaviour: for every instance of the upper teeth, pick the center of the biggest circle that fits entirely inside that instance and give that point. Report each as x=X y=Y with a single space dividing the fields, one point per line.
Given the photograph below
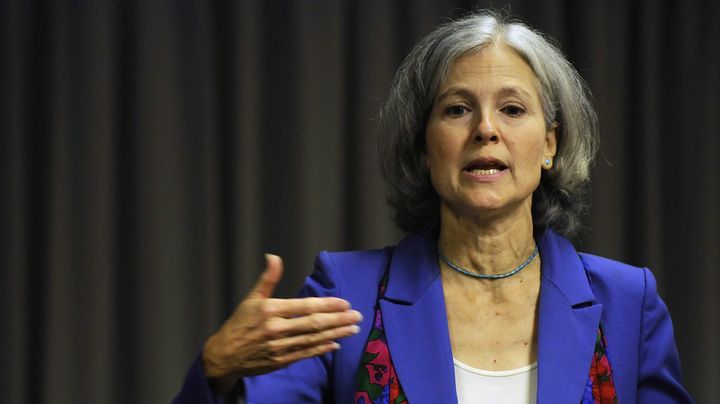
x=478 y=171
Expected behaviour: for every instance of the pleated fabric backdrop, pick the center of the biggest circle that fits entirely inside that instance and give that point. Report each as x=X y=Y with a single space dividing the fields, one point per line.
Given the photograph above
x=152 y=150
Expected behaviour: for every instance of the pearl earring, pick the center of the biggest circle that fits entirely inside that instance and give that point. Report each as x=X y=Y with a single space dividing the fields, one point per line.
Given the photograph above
x=547 y=162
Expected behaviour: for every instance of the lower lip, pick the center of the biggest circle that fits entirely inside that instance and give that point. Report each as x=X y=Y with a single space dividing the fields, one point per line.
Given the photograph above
x=485 y=178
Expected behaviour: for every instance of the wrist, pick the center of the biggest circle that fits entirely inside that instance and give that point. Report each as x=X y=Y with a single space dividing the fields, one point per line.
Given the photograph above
x=219 y=377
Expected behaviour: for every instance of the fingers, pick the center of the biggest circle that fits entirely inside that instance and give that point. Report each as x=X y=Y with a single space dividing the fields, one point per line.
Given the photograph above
x=281 y=352
x=309 y=352
x=315 y=323
x=304 y=341
x=303 y=306
x=269 y=279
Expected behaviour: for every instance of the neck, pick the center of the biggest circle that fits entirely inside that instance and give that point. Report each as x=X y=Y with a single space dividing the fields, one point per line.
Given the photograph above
x=486 y=246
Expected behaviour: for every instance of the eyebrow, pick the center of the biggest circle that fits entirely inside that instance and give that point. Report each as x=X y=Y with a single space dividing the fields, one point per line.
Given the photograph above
x=513 y=90
x=464 y=92
x=461 y=91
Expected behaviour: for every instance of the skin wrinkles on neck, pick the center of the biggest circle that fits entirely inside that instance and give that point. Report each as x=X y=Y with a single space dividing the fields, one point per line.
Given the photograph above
x=487 y=246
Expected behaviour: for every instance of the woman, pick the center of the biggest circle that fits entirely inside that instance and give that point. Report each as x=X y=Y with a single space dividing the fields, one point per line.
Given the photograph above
x=488 y=136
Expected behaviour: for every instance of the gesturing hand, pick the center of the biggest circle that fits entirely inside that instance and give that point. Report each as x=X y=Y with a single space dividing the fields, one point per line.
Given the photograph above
x=264 y=334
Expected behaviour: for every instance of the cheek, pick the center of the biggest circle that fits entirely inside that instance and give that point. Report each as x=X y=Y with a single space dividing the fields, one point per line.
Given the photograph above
x=529 y=160
x=435 y=151
x=536 y=162
x=436 y=167
x=438 y=160
x=535 y=153
x=441 y=162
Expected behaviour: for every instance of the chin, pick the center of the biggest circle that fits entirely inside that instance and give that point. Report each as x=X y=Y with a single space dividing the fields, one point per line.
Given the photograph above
x=487 y=203
x=484 y=208
x=476 y=209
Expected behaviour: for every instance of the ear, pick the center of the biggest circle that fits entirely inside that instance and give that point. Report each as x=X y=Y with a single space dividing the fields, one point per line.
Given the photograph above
x=550 y=149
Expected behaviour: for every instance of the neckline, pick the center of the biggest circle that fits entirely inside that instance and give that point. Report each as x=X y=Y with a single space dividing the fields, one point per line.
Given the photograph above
x=495 y=373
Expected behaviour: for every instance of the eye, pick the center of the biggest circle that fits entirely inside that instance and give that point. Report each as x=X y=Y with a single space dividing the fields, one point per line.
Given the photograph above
x=513 y=110
x=456 y=110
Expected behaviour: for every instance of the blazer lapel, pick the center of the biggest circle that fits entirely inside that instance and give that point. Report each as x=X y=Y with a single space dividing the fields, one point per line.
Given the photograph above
x=416 y=323
x=568 y=323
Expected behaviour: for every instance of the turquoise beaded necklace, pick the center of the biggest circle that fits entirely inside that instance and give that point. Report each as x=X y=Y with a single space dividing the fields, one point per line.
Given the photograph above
x=476 y=275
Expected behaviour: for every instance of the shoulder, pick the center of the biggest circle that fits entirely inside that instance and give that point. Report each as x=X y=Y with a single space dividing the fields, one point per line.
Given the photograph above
x=353 y=267
x=617 y=280
x=349 y=261
x=631 y=304
x=347 y=274
x=348 y=271
x=638 y=327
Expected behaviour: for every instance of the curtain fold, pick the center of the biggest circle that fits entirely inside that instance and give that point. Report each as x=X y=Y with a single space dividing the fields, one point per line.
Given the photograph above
x=151 y=151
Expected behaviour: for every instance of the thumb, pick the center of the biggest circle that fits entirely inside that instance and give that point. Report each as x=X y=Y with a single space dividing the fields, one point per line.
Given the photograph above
x=269 y=278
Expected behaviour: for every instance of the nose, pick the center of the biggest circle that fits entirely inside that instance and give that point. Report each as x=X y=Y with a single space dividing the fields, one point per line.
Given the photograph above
x=486 y=130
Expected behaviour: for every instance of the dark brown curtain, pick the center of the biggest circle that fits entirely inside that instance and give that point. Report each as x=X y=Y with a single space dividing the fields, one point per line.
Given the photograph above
x=152 y=150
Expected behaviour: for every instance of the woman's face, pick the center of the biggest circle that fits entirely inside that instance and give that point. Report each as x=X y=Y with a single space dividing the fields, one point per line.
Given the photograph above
x=486 y=138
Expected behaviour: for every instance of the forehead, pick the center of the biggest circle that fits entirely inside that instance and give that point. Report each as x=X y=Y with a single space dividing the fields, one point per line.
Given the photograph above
x=492 y=66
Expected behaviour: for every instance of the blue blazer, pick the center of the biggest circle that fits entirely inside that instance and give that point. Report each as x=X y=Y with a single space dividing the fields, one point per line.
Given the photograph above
x=577 y=292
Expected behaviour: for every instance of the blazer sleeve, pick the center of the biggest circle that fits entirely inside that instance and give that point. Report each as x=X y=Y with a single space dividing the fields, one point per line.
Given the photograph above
x=303 y=381
x=196 y=389
x=659 y=379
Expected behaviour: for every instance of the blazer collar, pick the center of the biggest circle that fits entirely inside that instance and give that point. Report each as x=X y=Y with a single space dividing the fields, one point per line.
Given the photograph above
x=414 y=267
x=415 y=322
x=568 y=322
x=563 y=269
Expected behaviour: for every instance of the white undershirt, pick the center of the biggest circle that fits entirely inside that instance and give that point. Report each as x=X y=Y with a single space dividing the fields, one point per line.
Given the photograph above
x=487 y=386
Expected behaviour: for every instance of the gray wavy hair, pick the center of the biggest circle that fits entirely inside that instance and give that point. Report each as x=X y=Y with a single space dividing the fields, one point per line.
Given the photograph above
x=559 y=201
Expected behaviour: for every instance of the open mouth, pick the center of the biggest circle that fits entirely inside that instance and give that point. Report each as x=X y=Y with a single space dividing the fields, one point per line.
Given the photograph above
x=485 y=168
